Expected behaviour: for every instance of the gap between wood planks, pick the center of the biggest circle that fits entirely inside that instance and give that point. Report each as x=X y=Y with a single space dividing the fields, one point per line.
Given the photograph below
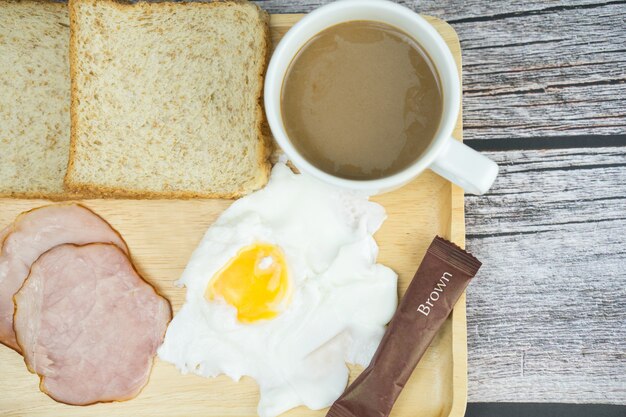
x=548 y=142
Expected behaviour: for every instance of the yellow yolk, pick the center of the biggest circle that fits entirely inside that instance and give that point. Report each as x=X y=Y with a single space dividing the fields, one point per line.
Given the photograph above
x=255 y=282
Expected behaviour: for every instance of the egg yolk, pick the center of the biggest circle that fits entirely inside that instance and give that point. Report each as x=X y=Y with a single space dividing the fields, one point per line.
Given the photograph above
x=255 y=282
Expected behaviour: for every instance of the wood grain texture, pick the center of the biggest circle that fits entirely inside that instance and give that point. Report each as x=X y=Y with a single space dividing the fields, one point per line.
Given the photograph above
x=547 y=316
x=162 y=234
x=532 y=68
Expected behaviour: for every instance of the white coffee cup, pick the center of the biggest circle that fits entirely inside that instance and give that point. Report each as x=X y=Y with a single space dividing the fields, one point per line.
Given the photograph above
x=445 y=155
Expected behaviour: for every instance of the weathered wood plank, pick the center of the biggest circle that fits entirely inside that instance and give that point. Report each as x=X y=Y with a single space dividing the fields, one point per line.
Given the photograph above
x=452 y=9
x=538 y=75
x=547 y=314
x=574 y=110
x=542 y=191
x=534 y=68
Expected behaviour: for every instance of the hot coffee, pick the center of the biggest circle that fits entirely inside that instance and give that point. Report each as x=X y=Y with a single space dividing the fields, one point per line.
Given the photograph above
x=361 y=100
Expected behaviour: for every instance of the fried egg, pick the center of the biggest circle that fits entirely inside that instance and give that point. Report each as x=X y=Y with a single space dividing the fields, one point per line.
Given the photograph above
x=284 y=288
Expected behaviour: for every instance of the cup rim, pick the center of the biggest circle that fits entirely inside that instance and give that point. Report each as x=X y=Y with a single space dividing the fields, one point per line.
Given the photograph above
x=293 y=41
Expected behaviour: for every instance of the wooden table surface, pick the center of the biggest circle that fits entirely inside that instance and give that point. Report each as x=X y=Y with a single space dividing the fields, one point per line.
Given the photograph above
x=545 y=97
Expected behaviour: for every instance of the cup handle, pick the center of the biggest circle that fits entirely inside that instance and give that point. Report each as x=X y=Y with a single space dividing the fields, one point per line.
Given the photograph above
x=465 y=167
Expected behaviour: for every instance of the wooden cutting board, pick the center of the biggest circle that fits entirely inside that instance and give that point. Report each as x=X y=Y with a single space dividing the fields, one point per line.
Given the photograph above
x=162 y=234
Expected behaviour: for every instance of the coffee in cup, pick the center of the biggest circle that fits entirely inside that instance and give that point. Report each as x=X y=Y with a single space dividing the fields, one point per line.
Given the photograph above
x=361 y=100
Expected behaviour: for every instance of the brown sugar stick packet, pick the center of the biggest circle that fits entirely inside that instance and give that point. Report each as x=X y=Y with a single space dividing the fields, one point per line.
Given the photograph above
x=438 y=283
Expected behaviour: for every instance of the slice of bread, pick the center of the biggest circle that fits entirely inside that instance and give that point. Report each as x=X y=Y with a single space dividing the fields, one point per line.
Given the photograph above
x=34 y=98
x=166 y=99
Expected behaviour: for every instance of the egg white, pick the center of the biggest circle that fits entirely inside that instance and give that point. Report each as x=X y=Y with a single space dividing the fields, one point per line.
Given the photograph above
x=340 y=303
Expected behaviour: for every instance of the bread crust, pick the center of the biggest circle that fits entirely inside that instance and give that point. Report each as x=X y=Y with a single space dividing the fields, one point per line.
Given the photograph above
x=65 y=196
x=264 y=143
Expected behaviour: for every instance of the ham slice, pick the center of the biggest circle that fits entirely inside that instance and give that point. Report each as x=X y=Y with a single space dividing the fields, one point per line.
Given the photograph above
x=88 y=324
x=35 y=232
x=3 y=233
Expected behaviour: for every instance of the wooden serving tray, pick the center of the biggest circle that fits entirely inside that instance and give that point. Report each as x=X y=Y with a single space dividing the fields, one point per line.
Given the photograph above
x=161 y=235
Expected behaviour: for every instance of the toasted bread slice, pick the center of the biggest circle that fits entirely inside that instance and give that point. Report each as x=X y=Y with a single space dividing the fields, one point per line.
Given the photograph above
x=34 y=98
x=166 y=99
